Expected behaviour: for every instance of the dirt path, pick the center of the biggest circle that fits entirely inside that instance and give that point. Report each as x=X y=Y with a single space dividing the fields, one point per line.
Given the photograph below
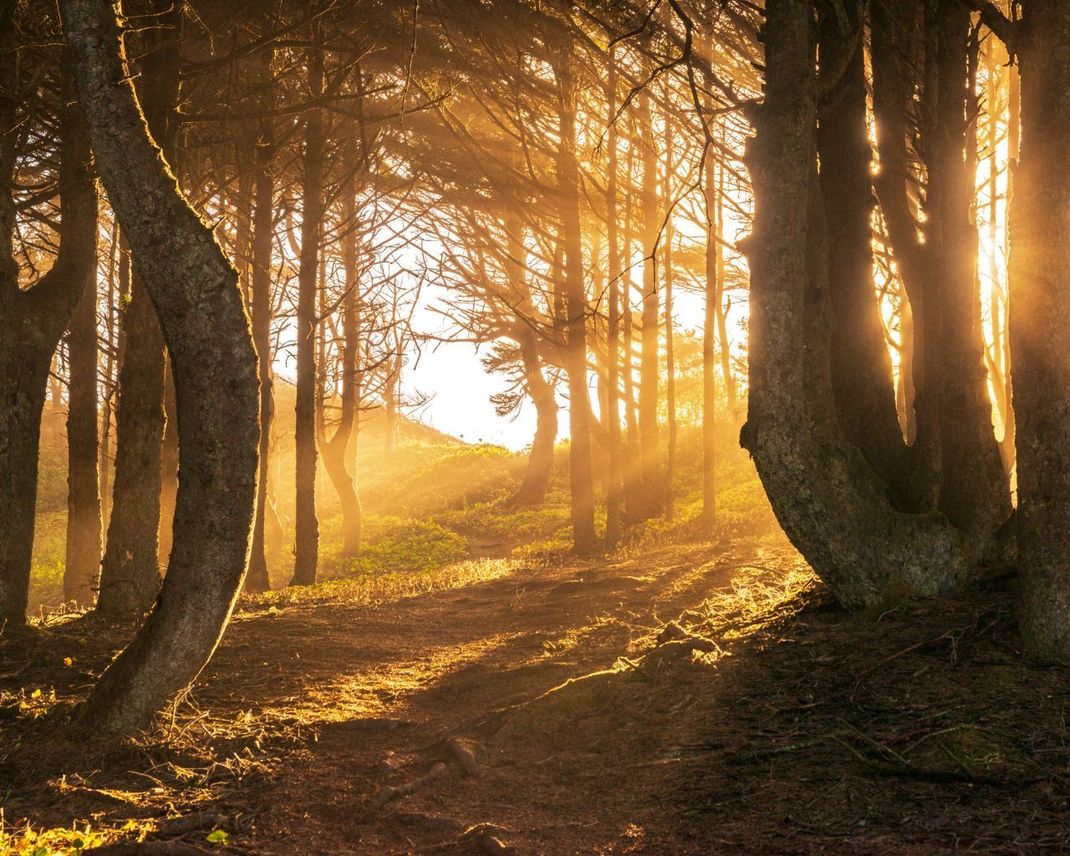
x=385 y=689
x=309 y=712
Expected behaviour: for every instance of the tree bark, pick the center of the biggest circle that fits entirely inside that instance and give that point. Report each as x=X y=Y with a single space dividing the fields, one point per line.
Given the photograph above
x=1040 y=301
x=130 y=572
x=195 y=291
x=32 y=321
x=974 y=494
x=823 y=493
x=861 y=367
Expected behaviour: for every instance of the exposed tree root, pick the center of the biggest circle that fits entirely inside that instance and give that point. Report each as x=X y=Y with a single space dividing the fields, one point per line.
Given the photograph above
x=393 y=792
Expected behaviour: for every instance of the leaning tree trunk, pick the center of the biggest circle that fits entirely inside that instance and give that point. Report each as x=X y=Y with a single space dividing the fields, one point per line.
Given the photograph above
x=1040 y=301
x=32 y=322
x=195 y=290
x=823 y=493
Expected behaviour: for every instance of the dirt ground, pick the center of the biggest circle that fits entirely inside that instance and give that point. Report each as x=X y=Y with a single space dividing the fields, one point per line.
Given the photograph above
x=692 y=700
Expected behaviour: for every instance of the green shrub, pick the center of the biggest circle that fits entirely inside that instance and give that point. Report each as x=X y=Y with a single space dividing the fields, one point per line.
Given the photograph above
x=396 y=545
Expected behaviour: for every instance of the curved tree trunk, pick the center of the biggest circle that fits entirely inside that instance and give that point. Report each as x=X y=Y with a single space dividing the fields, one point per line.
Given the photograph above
x=195 y=290
x=532 y=490
x=823 y=493
x=130 y=572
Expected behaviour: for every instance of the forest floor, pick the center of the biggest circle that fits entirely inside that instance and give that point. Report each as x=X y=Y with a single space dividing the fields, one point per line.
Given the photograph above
x=692 y=699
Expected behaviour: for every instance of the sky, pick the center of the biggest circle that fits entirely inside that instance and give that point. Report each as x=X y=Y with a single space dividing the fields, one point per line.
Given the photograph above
x=460 y=391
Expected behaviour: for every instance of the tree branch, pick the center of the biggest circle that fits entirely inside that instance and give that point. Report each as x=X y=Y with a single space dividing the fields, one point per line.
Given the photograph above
x=1007 y=30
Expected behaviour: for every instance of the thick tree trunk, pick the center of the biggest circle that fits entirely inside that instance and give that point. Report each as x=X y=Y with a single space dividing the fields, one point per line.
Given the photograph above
x=306 y=549
x=861 y=367
x=195 y=290
x=32 y=322
x=581 y=480
x=1040 y=301
x=83 y=490
x=823 y=493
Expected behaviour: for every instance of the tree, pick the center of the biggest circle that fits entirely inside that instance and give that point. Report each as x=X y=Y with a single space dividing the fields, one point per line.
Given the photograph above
x=1040 y=299
x=195 y=291
x=130 y=572
x=32 y=320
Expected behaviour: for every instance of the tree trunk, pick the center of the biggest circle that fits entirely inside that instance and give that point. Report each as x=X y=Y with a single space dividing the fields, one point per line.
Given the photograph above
x=195 y=290
x=1040 y=300
x=336 y=450
x=823 y=493
x=532 y=490
x=130 y=572
x=670 y=349
x=615 y=487
x=861 y=367
x=83 y=490
x=306 y=551
x=712 y=199
x=32 y=321
x=973 y=488
x=652 y=477
x=581 y=480
x=260 y=288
